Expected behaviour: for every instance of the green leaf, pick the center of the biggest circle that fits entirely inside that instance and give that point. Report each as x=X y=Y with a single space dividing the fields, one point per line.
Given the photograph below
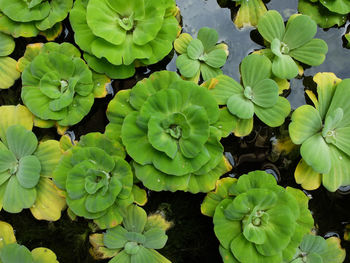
x=43 y=255
x=265 y=93
x=209 y=72
x=315 y=152
x=115 y=238
x=20 y=141
x=195 y=49
x=7 y=159
x=135 y=219
x=300 y=30
x=208 y=37
x=155 y=238
x=182 y=42
x=15 y=253
x=337 y=6
x=148 y=255
x=49 y=154
x=8 y=72
x=240 y=106
x=7 y=44
x=223 y=88
x=16 y=197
x=275 y=115
x=216 y=58
x=284 y=67
x=17 y=29
x=312 y=53
x=28 y=174
x=255 y=68
x=271 y=26
x=188 y=67
x=334 y=251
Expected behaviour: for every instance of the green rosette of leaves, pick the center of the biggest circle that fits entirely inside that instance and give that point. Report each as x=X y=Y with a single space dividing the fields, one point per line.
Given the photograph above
x=167 y=127
x=249 y=12
x=135 y=241
x=8 y=70
x=28 y=18
x=119 y=35
x=58 y=86
x=11 y=252
x=295 y=41
x=97 y=180
x=258 y=95
x=26 y=167
x=256 y=220
x=315 y=249
x=323 y=131
x=323 y=16
x=201 y=56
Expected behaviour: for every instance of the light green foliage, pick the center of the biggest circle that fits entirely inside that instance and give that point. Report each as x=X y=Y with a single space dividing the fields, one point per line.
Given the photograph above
x=336 y=6
x=119 y=35
x=249 y=12
x=27 y=18
x=97 y=179
x=256 y=220
x=291 y=42
x=8 y=71
x=320 y=14
x=167 y=127
x=324 y=131
x=201 y=56
x=135 y=241
x=11 y=252
x=258 y=94
x=315 y=249
x=57 y=84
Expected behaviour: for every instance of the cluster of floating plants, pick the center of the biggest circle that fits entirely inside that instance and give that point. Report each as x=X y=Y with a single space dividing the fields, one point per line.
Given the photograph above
x=167 y=131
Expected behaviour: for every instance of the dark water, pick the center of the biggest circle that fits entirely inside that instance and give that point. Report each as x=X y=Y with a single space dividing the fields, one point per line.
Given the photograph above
x=192 y=238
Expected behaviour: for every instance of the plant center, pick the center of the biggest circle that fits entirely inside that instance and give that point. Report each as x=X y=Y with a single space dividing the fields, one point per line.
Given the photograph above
x=175 y=131
x=131 y=248
x=248 y=93
x=64 y=85
x=14 y=168
x=256 y=218
x=203 y=57
x=127 y=23
x=284 y=48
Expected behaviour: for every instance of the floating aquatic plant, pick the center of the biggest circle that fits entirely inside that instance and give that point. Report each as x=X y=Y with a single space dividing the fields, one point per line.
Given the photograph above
x=135 y=241
x=97 y=180
x=201 y=56
x=249 y=12
x=28 y=18
x=119 y=35
x=295 y=41
x=324 y=134
x=26 y=167
x=258 y=95
x=58 y=86
x=11 y=252
x=8 y=71
x=315 y=249
x=167 y=126
x=256 y=220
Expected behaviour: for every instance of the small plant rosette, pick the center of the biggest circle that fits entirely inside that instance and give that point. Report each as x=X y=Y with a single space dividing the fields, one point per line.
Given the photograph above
x=136 y=240
x=323 y=132
x=29 y=18
x=58 y=86
x=117 y=36
x=256 y=220
x=167 y=126
x=295 y=41
x=201 y=56
x=26 y=167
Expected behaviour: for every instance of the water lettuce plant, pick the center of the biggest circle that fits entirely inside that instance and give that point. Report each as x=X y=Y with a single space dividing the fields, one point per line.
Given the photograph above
x=315 y=249
x=28 y=18
x=8 y=70
x=256 y=220
x=249 y=12
x=97 y=180
x=323 y=16
x=258 y=95
x=26 y=167
x=58 y=86
x=119 y=35
x=295 y=41
x=11 y=252
x=135 y=241
x=201 y=56
x=322 y=131
x=167 y=126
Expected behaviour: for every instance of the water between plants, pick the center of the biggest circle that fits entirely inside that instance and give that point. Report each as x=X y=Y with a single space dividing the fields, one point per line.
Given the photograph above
x=192 y=238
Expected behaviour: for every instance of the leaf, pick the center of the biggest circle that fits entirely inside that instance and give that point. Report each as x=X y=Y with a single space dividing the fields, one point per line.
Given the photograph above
x=15 y=253
x=306 y=176
x=7 y=44
x=216 y=58
x=148 y=255
x=284 y=67
x=7 y=235
x=315 y=151
x=271 y=26
x=182 y=42
x=8 y=72
x=209 y=37
x=240 y=106
x=135 y=219
x=255 y=68
x=115 y=237
x=21 y=141
x=195 y=49
x=265 y=93
x=49 y=154
x=299 y=30
x=28 y=171
x=7 y=160
x=43 y=255
x=250 y=13
x=337 y=6
x=20 y=12
x=155 y=238
x=17 y=29
x=187 y=67
x=209 y=72
x=334 y=252
x=312 y=53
